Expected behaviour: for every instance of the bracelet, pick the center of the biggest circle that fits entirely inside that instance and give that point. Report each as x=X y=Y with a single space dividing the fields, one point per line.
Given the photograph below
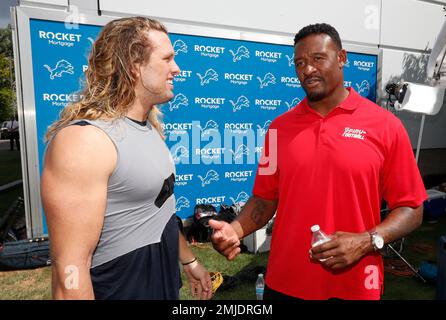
x=185 y=264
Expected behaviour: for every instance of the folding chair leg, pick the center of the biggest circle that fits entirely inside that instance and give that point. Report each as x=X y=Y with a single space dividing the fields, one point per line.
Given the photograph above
x=407 y=263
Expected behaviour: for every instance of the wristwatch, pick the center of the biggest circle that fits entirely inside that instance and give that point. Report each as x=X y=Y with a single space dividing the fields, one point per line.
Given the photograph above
x=377 y=240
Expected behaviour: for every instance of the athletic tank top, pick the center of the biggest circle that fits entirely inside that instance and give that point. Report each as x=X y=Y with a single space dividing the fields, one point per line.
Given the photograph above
x=140 y=199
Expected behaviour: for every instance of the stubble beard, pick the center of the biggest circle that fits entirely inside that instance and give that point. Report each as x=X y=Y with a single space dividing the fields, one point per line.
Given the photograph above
x=315 y=95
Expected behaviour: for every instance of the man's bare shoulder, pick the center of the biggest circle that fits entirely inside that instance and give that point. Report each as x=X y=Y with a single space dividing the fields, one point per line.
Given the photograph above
x=82 y=146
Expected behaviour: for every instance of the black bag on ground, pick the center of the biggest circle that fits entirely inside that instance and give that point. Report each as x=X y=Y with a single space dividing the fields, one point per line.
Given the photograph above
x=24 y=254
x=200 y=230
x=12 y=220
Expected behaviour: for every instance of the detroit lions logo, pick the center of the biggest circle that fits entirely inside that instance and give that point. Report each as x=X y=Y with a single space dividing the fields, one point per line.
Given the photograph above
x=178 y=101
x=240 y=151
x=241 y=197
x=182 y=202
x=211 y=125
x=293 y=103
x=180 y=152
x=264 y=128
x=364 y=88
x=290 y=60
x=210 y=176
x=242 y=102
x=210 y=74
x=242 y=52
x=268 y=79
x=62 y=66
x=179 y=46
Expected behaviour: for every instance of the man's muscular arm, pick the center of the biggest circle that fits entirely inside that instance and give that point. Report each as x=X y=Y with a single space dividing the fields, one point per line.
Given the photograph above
x=255 y=214
x=77 y=167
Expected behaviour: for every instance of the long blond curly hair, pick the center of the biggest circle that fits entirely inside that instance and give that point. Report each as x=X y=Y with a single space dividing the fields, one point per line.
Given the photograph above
x=109 y=85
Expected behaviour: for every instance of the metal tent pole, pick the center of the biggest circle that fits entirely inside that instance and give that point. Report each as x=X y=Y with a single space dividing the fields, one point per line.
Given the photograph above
x=420 y=135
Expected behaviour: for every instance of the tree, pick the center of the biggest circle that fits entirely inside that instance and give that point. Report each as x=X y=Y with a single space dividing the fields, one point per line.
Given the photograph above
x=7 y=85
x=7 y=99
x=6 y=42
x=5 y=71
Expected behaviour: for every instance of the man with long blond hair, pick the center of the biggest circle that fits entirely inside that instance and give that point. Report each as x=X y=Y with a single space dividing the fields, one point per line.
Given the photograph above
x=108 y=177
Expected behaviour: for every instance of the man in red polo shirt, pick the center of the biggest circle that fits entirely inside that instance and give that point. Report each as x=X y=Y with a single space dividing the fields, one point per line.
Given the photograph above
x=337 y=156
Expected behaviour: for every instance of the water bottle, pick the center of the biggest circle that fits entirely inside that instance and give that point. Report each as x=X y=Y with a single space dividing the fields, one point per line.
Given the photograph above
x=260 y=286
x=318 y=237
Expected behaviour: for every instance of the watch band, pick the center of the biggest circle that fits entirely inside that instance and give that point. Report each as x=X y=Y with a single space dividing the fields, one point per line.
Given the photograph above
x=372 y=238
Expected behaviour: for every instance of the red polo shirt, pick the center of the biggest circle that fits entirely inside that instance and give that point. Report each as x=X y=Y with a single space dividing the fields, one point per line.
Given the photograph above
x=334 y=171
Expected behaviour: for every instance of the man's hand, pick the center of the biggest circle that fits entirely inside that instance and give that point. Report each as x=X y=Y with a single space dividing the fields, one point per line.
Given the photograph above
x=343 y=250
x=224 y=239
x=199 y=280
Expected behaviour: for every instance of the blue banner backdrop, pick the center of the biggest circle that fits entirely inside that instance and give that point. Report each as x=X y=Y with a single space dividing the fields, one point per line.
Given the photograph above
x=225 y=98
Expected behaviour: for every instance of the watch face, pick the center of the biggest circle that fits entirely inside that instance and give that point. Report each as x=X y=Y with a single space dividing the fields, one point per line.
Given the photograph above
x=379 y=241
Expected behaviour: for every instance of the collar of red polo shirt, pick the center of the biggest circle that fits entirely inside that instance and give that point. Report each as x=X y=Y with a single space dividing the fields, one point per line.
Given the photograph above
x=351 y=103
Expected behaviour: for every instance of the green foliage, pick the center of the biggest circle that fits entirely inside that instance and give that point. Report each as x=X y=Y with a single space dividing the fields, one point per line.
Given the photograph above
x=6 y=42
x=7 y=94
x=6 y=69
x=6 y=104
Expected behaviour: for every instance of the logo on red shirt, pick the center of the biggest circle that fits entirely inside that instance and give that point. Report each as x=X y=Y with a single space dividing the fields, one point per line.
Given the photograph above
x=354 y=133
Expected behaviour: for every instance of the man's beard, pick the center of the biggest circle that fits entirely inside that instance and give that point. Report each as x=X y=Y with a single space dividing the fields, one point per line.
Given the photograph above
x=158 y=94
x=315 y=95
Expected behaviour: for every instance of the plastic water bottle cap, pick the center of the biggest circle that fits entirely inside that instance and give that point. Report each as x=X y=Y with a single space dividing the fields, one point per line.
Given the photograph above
x=315 y=228
x=260 y=274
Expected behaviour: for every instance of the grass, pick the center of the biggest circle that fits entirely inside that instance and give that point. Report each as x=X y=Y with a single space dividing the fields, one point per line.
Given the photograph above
x=26 y=285
x=35 y=284
x=213 y=261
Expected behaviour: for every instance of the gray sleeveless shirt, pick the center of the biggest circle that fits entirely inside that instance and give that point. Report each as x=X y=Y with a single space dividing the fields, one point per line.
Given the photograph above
x=134 y=216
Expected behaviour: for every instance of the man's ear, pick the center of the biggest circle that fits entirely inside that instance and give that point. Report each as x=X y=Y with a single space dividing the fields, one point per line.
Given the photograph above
x=135 y=71
x=342 y=57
